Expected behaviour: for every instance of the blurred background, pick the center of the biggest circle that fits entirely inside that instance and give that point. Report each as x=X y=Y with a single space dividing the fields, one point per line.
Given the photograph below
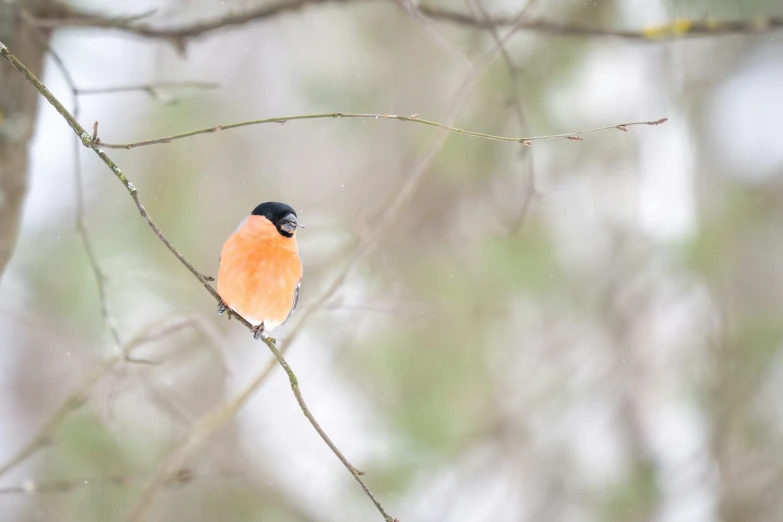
x=570 y=331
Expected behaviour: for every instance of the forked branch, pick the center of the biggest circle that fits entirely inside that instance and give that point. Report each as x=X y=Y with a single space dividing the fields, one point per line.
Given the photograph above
x=179 y=35
x=92 y=143
x=574 y=136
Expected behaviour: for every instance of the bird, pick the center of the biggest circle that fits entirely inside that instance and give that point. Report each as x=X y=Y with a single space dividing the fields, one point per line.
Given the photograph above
x=260 y=268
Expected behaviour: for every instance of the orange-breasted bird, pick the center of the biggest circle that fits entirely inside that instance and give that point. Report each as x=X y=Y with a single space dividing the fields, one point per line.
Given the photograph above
x=261 y=268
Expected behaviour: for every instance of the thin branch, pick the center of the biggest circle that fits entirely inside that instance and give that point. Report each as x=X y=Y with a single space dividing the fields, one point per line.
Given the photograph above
x=92 y=143
x=408 y=189
x=389 y=217
x=79 y=396
x=81 y=225
x=180 y=477
x=71 y=403
x=215 y=419
x=199 y=433
x=672 y=31
x=160 y=330
x=207 y=426
x=100 y=277
x=149 y=88
x=180 y=34
x=516 y=102
x=405 y=193
x=431 y=27
x=412 y=119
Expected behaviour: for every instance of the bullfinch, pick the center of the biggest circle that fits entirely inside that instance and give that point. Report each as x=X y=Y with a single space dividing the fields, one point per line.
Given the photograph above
x=261 y=268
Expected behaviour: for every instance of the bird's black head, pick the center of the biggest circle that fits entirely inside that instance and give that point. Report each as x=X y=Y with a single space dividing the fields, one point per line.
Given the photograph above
x=281 y=215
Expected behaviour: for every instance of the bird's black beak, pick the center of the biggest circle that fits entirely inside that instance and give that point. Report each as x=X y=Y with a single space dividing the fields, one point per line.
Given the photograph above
x=288 y=223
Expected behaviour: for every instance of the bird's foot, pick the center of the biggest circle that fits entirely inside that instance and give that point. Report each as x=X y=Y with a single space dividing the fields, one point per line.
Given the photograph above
x=258 y=331
x=221 y=308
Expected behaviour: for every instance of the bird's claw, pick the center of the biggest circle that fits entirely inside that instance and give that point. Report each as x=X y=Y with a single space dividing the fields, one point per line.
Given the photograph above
x=223 y=308
x=258 y=331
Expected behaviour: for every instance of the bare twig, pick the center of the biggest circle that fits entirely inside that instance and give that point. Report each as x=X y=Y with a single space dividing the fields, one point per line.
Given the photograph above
x=432 y=28
x=403 y=195
x=672 y=31
x=90 y=142
x=407 y=190
x=199 y=433
x=178 y=478
x=81 y=393
x=149 y=88
x=516 y=102
x=100 y=277
x=72 y=402
x=218 y=417
x=81 y=225
x=215 y=420
x=392 y=212
x=180 y=34
x=412 y=119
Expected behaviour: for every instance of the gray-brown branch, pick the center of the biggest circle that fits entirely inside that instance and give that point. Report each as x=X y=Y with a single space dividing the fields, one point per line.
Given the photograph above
x=182 y=33
x=90 y=142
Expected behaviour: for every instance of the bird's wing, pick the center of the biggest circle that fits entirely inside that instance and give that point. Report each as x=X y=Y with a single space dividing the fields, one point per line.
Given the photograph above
x=296 y=293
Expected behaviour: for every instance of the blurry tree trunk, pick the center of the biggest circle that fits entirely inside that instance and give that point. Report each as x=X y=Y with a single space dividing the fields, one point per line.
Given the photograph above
x=18 y=105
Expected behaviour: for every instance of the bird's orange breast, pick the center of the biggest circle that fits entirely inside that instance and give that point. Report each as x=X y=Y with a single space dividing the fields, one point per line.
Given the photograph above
x=259 y=272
